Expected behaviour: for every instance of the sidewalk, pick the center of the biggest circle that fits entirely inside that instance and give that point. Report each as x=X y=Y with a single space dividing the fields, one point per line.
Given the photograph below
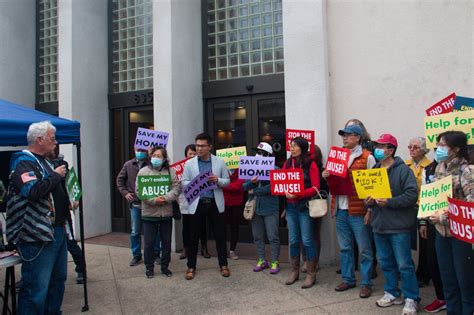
x=116 y=288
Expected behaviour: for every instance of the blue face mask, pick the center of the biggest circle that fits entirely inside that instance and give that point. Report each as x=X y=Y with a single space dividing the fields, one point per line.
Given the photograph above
x=379 y=154
x=441 y=154
x=156 y=162
x=140 y=155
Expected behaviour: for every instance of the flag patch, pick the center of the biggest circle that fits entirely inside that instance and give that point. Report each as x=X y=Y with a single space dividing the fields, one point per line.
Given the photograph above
x=28 y=177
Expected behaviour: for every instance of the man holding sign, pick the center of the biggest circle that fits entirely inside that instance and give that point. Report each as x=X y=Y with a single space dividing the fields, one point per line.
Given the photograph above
x=206 y=203
x=392 y=221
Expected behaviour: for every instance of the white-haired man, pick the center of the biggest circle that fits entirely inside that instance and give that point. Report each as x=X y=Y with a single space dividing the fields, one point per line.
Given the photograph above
x=36 y=217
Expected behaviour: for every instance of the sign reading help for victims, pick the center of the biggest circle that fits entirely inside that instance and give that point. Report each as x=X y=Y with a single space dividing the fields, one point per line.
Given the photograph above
x=456 y=121
x=442 y=107
x=286 y=181
x=151 y=186
x=434 y=197
x=231 y=156
x=461 y=220
x=147 y=138
x=338 y=160
x=198 y=186
x=179 y=168
x=260 y=166
x=307 y=134
x=72 y=185
x=373 y=183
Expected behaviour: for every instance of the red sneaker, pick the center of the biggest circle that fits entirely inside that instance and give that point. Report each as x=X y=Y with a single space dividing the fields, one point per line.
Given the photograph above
x=436 y=306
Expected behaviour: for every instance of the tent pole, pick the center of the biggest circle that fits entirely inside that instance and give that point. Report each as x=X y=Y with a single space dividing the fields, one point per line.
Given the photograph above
x=85 y=308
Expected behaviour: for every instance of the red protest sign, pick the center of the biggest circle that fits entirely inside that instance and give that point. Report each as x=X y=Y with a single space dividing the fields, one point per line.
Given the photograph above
x=461 y=220
x=338 y=161
x=178 y=167
x=290 y=181
x=307 y=134
x=442 y=107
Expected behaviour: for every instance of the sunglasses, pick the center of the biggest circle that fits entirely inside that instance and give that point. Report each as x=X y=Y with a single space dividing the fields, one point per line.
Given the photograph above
x=263 y=153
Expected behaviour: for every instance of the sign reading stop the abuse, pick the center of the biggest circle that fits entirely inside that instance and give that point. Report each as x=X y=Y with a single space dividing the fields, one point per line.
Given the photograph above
x=286 y=181
x=179 y=168
x=307 y=134
x=338 y=161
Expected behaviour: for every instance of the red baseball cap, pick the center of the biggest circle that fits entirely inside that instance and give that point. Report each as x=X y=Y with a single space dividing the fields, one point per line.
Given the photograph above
x=387 y=138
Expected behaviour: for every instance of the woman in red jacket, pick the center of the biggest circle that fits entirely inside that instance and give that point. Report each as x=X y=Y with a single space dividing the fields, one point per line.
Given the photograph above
x=234 y=200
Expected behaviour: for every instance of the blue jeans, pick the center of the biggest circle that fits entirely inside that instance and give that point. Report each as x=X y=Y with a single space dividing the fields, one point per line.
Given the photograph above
x=456 y=265
x=136 y=233
x=43 y=275
x=347 y=227
x=394 y=254
x=300 y=230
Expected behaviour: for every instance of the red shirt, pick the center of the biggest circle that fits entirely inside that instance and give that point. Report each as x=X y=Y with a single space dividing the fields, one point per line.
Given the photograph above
x=314 y=178
x=234 y=192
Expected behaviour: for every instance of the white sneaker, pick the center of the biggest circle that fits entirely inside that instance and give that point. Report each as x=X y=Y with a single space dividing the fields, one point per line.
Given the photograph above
x=233 y=255
x=410 y=308
x=388 y=300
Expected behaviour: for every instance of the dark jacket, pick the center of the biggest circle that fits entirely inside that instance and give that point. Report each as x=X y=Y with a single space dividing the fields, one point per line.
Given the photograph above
x=127 y=176
x=400 y=214
x=266 y=203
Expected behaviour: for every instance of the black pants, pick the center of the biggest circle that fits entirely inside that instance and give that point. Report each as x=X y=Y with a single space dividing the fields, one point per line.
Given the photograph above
x=150 y=228
x=207 y=208
x=432 y=265
x=423 y=272
x=232 y=218
x=76 y=254
x=187 y=231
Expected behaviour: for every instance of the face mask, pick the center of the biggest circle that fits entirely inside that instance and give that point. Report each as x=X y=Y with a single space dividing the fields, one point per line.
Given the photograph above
x=156 y=162
x=441 y=154
x=140 y=155
x=379 y=154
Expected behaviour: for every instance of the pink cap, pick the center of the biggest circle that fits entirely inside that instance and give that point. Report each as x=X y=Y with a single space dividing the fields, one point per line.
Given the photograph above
x=387 y=138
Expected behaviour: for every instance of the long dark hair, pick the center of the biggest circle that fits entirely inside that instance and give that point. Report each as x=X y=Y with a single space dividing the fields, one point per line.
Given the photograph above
x=456 y=139
x=304 y=160
x=166 y=163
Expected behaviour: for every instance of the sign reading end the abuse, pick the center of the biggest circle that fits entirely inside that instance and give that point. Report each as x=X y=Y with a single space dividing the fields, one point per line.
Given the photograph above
x=461 y=220
x=286 y=181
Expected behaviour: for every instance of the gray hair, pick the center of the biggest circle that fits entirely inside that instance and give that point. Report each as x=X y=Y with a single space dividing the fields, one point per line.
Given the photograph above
x=39 y=129
x=422 y=142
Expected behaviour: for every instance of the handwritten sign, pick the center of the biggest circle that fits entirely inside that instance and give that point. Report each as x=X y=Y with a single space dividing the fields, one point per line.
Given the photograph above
x=151 y=186
x=198 y=186
x=434 y=197
x=307 y=134
x=442 y=107
x=457 y=121
x=251 y=166
x=290 y=181
x=463 y=104
x=179 y=168
x=338 y=161
x=231 y=156
x=461 y=220
x=147 y=138
x=373 y=183
x=72 y=186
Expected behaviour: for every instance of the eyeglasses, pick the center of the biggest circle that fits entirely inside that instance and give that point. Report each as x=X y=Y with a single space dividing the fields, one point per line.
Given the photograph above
x=349 y=135
x=202 y=146
x=413 y=147
x=263 y=153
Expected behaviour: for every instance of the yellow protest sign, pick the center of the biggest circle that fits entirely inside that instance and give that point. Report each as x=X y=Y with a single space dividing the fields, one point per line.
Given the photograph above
x=456 y=121
x=434 y=197
x=231 y=156
x=373 y=183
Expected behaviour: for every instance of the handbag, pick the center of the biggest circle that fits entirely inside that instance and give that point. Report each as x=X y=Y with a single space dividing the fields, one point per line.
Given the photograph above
x=318 y=207
x=250 y=206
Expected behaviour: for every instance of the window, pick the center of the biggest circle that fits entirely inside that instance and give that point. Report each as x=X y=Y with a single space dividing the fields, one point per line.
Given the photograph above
x=132 y=45
x=47 y=42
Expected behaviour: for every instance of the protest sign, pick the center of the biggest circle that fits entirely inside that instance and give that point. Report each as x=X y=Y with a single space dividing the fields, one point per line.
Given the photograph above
x=373 y=183
x=461 y=220
x=147 y=138
x=463 y=103
x=340 y=186
x=338 y=160
x=72 y=185
x=457 y=121
x=179 y=168
x=198 y=186
x=442 y=107
x=231 y=156
x=260 y=166
x=307 y=134
x=290 y=181
x=434 y=197
x=151 y=186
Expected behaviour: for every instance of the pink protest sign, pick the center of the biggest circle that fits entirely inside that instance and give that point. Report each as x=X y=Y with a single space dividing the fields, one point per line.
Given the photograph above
x=198 y=186
x=147 y=138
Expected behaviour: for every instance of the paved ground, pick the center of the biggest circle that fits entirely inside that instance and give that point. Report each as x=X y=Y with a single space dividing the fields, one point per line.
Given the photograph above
x=116 y=288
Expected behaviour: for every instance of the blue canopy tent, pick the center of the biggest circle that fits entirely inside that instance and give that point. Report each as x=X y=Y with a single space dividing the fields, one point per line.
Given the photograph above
x=14 y=122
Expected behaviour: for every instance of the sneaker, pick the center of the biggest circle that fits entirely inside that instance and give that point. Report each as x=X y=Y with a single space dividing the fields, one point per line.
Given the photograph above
x=166 y=272
x=275 y=268
x=389 y=300
x=436 y=306
x=411 y=307
x=149 y=273
x=261 y=265
x=233 y=255
x=135 y=261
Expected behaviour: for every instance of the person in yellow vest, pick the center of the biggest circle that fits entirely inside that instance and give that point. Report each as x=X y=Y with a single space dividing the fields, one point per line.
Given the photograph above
x=350 y=218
